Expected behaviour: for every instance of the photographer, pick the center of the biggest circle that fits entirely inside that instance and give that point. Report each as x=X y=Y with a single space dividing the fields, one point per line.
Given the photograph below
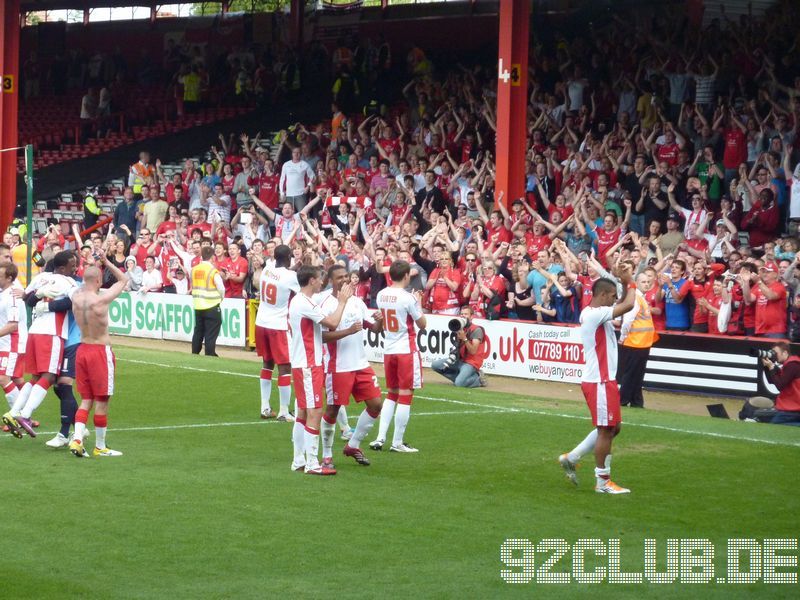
x=783 y=370
x=463 y=365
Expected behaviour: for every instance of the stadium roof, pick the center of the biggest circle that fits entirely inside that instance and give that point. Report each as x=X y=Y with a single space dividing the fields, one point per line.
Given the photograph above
x=41 y=5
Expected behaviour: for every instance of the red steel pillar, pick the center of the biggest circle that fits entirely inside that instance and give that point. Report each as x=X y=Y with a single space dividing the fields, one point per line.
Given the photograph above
x=512 y=98
x=9 y=105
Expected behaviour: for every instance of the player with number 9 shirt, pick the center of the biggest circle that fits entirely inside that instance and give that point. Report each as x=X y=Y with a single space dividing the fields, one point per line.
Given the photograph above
x=276 y=288
x=401 y=360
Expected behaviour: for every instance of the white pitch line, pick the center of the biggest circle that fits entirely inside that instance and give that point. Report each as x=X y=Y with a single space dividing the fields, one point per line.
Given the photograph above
x=530 y=411
x=263 y=422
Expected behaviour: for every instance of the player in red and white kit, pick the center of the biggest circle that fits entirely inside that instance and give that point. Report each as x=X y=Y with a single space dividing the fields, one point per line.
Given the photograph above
x=347 y=371
x=276 y=287
x=45 y=347
x=599 y=383
x=401 y=361
x=306 y=320
x=13 y=334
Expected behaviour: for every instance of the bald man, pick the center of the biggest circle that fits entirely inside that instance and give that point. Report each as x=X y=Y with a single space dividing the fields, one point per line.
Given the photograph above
x=94 y=363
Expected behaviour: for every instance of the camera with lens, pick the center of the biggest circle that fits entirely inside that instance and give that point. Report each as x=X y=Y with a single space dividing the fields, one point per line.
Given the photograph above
x=457 y=324
x=760 y=353
x=454 y=325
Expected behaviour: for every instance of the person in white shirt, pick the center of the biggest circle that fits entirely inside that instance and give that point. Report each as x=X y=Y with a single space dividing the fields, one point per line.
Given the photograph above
x=218 y=206
x=151 y=278
x=347 y=371
x=250 y=224
x=275 y=288
x=296 y=180
x=401 y=313
x=45 y=346
x=13 y=333
x=599 y=383
x=306 y=320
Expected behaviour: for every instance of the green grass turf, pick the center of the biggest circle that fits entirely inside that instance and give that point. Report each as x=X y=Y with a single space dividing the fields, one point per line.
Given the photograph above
x=215 y=512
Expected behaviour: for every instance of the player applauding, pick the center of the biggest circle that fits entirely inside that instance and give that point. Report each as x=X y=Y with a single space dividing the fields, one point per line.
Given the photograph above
x=306 y=320
x=599 y=383
x=347 y=371
x=95 y=362
x=277 y=285
x=401 y=361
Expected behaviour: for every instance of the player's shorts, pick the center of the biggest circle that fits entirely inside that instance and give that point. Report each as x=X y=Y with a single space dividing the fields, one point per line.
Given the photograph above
x=308 y=384
x=43 y=354
x=273 y=344
x=603 y=401
x=12 y=364
x=68 y=361
x=403 y=371
x=361 y=385
x=94 y=369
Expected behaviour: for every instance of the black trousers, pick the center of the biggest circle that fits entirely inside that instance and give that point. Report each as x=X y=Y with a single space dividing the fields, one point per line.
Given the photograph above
x=632 y=364
x=207 y=324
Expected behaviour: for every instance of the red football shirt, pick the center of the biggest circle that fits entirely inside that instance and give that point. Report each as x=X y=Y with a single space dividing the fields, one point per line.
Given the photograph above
x=735 y=148
x=699 y=290
x=235 y=268
x=770 y=314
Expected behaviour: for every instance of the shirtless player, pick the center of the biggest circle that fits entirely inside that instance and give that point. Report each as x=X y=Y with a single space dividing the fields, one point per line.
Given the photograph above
x=94 y=364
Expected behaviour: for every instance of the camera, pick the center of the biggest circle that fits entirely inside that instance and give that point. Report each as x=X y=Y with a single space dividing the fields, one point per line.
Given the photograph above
x=457 y=324
x=454 y=325
x=759 y=353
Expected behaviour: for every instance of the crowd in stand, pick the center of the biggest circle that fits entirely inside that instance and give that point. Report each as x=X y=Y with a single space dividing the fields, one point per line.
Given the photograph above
x=672 y=147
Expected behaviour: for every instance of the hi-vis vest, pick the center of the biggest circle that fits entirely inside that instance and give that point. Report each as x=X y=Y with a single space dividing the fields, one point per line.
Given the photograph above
x=642 y=333
x=19 y=256
x=140 y=174
x=204 y=291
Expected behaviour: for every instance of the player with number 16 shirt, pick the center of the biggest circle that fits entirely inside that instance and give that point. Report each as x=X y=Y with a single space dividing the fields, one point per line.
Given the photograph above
x=401 y=360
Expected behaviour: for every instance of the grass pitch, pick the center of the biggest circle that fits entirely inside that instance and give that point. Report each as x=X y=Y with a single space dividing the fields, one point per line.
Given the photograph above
x=204 y=505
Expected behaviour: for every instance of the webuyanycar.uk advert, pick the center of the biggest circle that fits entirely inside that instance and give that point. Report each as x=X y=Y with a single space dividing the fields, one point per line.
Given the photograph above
x=515 y=349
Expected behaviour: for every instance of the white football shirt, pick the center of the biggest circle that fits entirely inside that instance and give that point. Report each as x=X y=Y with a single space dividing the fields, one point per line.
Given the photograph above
x=400 y=309
x=348 y=353
x=51 y=323
x=12 y=310
x=305 y=346
x=599 y=344
x=275 y=288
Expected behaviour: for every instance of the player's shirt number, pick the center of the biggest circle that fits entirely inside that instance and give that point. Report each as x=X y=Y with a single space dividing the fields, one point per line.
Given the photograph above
x=390 y=320
x=269 y=293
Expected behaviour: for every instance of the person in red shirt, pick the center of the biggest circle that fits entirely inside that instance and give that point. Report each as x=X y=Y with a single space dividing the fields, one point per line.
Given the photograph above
x=735 y=138
x=762 y=220
x=199 y=222
x=142 y=247
x=443 y=286
x=267 y=184
x=669 y=150
x=700 y=288
x=537 y=240
x=769 y=296
x=743 y=317
x=171 y=224
x=490 y=284
x=234 y=272
x=352 y=172
x=713 y=304
x=496 y=232
x=176 y=184
x=609 y=234
x=388 y=142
